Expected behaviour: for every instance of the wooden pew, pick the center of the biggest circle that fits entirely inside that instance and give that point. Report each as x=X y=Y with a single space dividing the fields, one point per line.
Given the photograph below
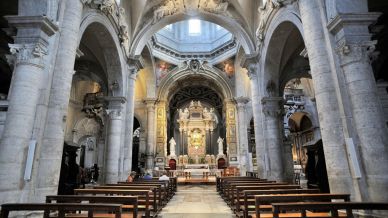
x=62 y=208
x=155 y=188
x=230 y=188
x=333 y=207
x=221 y=180
x=166 y=188
x=227 y=185
x=236 y=193
x=261 y=200
x=249 y=198
x=127 y=201
x=139 y=193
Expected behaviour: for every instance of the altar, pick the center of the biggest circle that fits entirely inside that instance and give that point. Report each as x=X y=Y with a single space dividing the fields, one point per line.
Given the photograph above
x=196 y=125
x=196 y=169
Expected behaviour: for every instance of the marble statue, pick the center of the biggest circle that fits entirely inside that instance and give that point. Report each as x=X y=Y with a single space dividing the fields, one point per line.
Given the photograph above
x=172 y=146
x=186 y=114
x=220 y=142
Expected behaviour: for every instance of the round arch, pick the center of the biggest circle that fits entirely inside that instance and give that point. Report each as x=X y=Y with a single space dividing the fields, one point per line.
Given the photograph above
x=170 y=81
x=284 y=22
x=150 y=28
x=107 y=36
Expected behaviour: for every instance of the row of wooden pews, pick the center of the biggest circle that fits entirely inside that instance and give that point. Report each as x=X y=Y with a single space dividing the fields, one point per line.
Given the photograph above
x=140 y=198
x=251 y=197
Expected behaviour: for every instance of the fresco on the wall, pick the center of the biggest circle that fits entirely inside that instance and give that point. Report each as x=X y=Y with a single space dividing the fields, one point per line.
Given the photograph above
x=227 y=67
x=162 y=69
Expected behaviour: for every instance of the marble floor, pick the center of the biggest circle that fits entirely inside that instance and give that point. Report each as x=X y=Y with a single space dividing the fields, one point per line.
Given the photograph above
x=196 y=201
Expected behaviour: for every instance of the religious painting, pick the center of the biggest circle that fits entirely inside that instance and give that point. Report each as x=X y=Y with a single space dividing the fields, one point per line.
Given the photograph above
x=162 y=69
x=227 y=67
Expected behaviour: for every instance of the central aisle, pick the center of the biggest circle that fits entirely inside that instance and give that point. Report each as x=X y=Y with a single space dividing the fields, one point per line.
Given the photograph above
x=196 y=201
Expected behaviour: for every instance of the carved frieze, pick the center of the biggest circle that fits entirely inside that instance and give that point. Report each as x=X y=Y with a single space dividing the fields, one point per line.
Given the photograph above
x=213 y=6
x=171 y=7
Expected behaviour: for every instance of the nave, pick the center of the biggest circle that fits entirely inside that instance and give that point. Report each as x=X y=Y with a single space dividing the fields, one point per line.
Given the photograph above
x=192 y=201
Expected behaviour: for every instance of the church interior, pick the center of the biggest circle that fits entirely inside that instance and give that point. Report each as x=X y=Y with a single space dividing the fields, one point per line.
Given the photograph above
x=193 y=108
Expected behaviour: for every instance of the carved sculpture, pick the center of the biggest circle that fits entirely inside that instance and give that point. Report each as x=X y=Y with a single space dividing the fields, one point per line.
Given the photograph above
x=220 y=142
x=168 y=8
x=266 y=12
x=213 y=6
x=172 y=146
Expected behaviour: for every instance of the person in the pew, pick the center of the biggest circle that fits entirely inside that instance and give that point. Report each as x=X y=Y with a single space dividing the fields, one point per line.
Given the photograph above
x=164 y=177
x=147 y=176
x=131 y=176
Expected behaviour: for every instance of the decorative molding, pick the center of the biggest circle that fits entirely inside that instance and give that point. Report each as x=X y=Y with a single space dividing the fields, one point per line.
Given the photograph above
x=228 y=46
x=345 y=20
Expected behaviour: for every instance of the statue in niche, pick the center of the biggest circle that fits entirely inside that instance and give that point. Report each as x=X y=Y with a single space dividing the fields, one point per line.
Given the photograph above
x=186 y=114
x=172 y=146
x=220 y=142
x=208 y=159
x=206 y=114
x=183 y=114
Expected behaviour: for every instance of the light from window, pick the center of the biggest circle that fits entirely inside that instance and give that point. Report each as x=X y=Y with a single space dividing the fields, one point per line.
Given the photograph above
x=168 y=27
x=194 y=27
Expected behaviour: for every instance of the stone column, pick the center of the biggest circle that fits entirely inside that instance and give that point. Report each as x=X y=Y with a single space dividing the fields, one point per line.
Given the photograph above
x=114 y=140
x=272 y=136
x=251 y=66
x=355 y=49
x=340 y=179
x=53 y=138
x=150 y=149
x=133 y=67
x=28 y=54
x=243 y=135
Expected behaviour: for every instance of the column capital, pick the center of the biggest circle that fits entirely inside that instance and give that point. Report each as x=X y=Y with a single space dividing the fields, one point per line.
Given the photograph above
x=115 y=101
x=150 y=102
x=27 y=54
x=352 y=36
x=114 y=114
x=272 y=106
x=241 y=101
x=250 y=63
x=135 y=63
x=31 y=41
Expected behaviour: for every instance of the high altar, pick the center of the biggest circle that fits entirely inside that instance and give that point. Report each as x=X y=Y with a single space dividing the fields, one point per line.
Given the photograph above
x=196 y=123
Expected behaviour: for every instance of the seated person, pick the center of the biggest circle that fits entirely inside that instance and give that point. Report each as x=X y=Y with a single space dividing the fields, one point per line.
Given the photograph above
x=131 y=176
x=147 y=176
x=164 y=177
